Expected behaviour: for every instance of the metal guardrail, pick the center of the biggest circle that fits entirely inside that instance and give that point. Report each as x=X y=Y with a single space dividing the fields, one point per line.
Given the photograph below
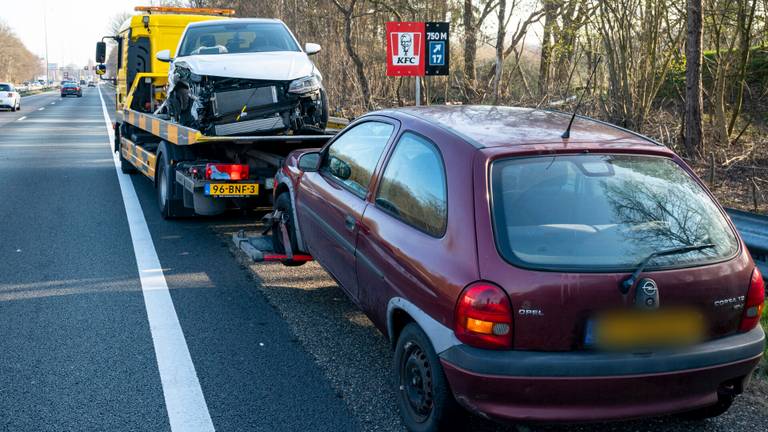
x=754 y=230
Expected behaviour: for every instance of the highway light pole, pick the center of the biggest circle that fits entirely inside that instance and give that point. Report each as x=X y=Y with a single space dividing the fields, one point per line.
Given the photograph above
x=45 y=35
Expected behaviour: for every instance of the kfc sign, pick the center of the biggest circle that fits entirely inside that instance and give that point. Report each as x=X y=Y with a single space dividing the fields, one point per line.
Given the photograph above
x=405 y=48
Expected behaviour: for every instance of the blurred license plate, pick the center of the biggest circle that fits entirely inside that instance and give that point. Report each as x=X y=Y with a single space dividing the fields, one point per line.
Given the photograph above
x=231 y=189
x=644 y=329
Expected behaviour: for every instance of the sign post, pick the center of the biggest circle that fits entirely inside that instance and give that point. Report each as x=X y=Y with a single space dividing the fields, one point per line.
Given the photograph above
x=417 y=49
x=438 y=51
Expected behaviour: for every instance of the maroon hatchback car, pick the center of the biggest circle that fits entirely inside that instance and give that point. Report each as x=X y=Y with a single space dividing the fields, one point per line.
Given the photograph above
x=526 y=276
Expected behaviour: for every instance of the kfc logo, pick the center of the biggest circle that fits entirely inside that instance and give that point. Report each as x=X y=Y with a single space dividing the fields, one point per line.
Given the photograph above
x=406 y=48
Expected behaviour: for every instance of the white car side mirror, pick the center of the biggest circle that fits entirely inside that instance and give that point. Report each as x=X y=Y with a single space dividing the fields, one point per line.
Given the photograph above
x=164 y=55
x=312 y=48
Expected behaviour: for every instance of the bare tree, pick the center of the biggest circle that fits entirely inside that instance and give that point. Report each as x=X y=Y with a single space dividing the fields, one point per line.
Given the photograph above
x=473 y=20
x=694 y=136
x=347 y=12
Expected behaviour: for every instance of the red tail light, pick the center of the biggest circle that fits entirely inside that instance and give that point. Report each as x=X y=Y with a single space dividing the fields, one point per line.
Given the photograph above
x=483 y=317
x=753 y=306
x=226 y=172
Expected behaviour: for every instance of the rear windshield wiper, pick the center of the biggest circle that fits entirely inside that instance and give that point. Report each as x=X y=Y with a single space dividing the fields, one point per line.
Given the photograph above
x=630 y=282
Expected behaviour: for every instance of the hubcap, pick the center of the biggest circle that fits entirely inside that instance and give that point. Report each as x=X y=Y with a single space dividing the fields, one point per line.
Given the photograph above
x=163 y=188
x=416 y=381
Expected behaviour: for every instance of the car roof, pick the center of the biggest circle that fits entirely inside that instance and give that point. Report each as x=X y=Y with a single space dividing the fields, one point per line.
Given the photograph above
x=238 y=20
x=502 y=126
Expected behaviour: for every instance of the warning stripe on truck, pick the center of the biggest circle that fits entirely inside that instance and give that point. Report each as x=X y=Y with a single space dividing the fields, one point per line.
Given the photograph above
x=170 y=132
x=143 y=160
x=182 y=135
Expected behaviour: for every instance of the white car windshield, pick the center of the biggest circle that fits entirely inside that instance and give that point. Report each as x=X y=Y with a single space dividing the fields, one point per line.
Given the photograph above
x=232 y=38
x=5 y=87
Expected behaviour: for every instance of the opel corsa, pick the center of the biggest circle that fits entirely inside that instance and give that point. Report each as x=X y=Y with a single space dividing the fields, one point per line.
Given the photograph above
x=525 y=276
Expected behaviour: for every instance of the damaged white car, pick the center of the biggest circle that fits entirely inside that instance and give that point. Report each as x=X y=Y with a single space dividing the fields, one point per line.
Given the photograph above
x=244 y=76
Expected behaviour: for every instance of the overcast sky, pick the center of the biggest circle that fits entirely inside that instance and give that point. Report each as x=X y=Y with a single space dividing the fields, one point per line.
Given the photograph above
x=74 y=26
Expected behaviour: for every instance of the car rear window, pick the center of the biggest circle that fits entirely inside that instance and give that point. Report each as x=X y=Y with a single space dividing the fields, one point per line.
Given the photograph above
x=603 y=213
x=5 y=87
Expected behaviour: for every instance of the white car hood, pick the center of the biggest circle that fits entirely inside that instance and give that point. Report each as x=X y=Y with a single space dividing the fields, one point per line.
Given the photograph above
x=277 y=66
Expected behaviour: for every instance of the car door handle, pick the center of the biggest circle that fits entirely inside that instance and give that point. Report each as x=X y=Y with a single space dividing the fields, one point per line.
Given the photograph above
x=350 y=223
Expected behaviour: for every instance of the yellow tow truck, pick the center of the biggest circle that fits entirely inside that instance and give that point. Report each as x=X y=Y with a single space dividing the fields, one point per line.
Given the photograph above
x=193 y=173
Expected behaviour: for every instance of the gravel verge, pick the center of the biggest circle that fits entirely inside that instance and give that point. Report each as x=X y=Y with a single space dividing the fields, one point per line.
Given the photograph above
x=356 y=357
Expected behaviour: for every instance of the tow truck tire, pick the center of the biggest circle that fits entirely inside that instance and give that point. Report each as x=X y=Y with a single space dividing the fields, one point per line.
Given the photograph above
x=170 y=206
x=283 y=203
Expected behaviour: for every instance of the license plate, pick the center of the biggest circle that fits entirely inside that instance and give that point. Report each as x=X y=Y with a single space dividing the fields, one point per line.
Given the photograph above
x=644 y=329
x=231 y=189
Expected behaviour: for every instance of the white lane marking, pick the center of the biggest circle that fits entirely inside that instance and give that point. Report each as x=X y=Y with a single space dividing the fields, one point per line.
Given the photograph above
x=184 y=399
x=41 y=108
x=21 y=118
x=53 y=103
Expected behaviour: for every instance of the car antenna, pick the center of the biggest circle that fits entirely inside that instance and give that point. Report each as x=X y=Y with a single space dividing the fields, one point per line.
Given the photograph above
x=567 y=133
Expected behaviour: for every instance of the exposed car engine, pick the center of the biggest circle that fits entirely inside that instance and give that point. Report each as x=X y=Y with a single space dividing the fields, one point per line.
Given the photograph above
x=236 y=106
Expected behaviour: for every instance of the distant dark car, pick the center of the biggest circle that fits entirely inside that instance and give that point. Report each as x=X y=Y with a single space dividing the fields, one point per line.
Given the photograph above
x=71 y=89
x=82 y=82
x=526 y=276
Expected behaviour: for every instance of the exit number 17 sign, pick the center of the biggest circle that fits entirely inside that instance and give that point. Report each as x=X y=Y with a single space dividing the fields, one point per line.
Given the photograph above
x=417 y=48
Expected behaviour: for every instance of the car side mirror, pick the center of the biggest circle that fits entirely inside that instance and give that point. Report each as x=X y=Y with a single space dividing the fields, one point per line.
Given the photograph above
x=309 y=162
x=164 y=55
x=339 y=168
x=312 y=48
x=101 y=52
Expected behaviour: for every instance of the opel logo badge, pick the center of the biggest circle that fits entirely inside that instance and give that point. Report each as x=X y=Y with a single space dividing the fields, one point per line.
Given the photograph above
x=649 y=287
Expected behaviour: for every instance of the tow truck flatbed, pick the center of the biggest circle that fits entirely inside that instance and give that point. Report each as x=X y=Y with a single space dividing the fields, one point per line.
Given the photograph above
x=142 y=138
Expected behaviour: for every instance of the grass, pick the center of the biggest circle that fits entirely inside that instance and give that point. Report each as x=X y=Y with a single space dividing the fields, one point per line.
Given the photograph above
x=764 y=323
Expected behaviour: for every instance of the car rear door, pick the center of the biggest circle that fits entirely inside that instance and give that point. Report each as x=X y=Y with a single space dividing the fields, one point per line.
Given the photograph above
x=332 y=200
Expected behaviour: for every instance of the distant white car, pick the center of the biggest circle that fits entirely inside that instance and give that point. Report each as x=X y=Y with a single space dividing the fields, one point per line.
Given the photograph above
x=9 y=97
x=243 y=76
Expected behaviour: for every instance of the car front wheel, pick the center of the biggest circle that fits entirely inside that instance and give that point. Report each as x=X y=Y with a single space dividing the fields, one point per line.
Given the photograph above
x=424 y=398
x=283 y=203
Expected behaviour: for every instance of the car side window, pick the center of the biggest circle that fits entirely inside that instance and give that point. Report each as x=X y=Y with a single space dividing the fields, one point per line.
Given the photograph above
x=413 y=186
x=352 y=158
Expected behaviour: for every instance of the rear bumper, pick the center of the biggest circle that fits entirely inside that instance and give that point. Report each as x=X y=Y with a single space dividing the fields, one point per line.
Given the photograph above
x=589 y=386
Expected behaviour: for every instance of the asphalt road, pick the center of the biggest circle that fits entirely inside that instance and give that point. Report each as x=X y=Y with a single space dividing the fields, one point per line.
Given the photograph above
x=273 y=348
x=76 y=350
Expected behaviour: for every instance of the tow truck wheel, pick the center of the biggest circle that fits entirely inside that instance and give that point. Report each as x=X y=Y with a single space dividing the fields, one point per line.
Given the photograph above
x=170 y=206
x=283 y=203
